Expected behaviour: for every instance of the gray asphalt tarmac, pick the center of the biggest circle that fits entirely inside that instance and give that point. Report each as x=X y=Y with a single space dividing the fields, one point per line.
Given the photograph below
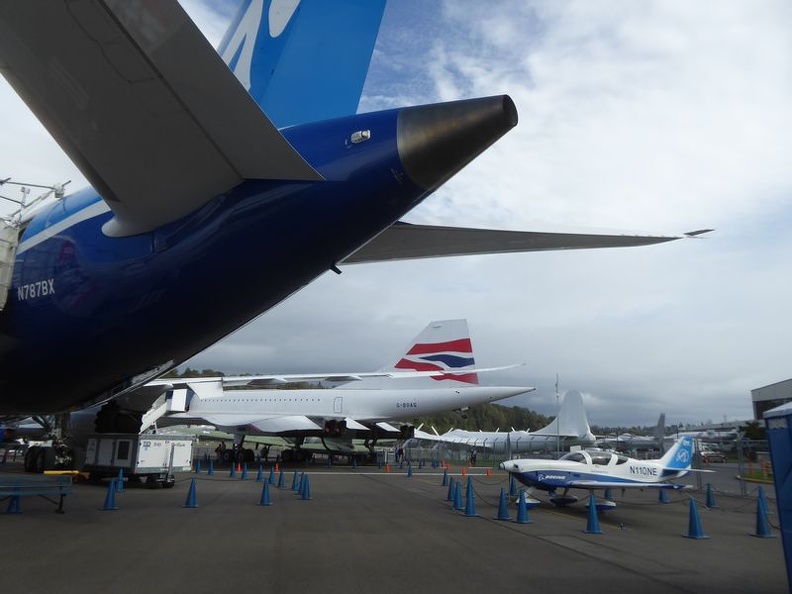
x=365 y=530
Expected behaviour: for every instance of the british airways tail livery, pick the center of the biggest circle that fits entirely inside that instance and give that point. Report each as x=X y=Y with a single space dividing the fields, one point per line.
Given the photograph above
x=203 y=213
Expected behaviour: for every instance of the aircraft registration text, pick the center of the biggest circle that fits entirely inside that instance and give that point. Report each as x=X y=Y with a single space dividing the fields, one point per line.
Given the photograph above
x=643 y=470
x=37 y=289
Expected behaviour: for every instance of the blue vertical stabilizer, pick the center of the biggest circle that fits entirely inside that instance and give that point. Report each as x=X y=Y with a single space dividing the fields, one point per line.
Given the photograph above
x=288 y=54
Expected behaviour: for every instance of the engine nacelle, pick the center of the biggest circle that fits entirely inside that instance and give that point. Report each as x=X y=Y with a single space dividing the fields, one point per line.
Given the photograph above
x=334 y=428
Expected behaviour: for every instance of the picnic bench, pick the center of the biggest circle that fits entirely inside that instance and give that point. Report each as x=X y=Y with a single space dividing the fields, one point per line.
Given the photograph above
x=52 y=488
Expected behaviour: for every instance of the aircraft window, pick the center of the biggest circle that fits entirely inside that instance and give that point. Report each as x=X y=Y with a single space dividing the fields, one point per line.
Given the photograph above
x=574 y=457
x=600 y=458
x=621 y=459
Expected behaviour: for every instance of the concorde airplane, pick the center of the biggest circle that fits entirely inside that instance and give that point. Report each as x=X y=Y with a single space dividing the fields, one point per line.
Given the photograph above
x=592 y=470
x=370 y=404
x=222 y=183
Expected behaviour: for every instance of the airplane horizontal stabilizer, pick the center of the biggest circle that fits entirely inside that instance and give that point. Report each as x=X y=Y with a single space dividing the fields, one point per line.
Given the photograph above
x=130 y=81
x=405 y=241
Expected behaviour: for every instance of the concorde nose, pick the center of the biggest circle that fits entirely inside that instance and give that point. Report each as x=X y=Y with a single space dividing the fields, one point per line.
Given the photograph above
x=435 y=141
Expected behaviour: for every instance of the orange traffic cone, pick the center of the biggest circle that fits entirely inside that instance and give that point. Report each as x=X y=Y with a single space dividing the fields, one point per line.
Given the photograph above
x=239 y=467
x=464 y=472
x=387 y=467
x=489 y=472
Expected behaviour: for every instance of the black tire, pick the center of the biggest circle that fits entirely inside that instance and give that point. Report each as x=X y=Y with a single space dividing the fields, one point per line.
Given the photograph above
x=46 y=459
x=31 y=459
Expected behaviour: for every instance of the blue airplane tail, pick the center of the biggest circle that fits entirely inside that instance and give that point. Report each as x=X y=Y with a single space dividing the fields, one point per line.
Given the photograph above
x=303 y=60
x=680 y=456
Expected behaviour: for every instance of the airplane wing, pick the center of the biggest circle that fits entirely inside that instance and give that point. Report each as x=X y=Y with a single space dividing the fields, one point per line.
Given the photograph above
x=623 y=485
x=405 y=241
x=279 y=379
x=121 y=81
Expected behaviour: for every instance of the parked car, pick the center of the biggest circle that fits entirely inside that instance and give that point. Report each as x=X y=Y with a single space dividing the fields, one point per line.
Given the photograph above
x=708 y=456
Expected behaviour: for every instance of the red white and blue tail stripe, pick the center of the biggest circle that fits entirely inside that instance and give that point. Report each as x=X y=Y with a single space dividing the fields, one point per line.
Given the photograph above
x=443 y=345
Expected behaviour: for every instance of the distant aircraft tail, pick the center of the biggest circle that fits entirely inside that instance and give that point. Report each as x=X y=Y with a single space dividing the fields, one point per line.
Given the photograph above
x=659 y=431
x=288 y=54
x=680 y=456
x=571 y=420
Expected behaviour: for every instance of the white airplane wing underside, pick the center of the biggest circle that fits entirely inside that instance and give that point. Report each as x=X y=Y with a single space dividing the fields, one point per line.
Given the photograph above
x=405 y=241
x=623 y=485
x=132 y=81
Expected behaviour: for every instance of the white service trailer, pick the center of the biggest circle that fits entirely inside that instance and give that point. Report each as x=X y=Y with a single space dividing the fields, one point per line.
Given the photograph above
x=151 y=456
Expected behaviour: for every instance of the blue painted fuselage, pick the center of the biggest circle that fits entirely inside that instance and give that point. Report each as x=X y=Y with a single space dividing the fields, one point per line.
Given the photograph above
x=90 y=315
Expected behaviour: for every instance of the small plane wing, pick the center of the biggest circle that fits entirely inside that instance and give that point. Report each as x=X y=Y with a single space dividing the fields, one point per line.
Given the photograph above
x=133 y=81
x=405 y=241
x=623 y=485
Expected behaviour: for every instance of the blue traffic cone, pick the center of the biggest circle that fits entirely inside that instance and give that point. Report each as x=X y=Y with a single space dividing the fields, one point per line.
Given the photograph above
x=119 y=486
x=271 y=478
x=762 y=523
x=409 y=470
x=662 y=496
x=694 y=523
x=260 y=474
x=608 y=494
x=14 y=506
x=503 y=508
x=450 y=496
x=232 y=473
x=354 y=462
x=197 y=466
x=300 y=483
x=468 y=488
x=305 y=492
x=294 y=482
x=244 y=476
x=109 y=503
x=211 y=468
x=470 y=501
x=593 y=525
x=280 y=479
x=763 y=501
x=445 y=477
x=710 y=497
x=265 y=495
x=522 y=510
x=512 y=486
x=458 y=497
x=190 y=501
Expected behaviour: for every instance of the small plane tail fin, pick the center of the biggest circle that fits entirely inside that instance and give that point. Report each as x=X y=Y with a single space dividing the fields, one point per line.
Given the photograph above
x=680 y=456
x=571 y=420
x=288 y=55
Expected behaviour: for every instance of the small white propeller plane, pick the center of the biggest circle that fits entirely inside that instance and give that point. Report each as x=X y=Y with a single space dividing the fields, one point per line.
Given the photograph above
x=592 y=470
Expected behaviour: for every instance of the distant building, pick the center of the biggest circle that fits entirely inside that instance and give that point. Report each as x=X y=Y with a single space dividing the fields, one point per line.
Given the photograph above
x=763 y=399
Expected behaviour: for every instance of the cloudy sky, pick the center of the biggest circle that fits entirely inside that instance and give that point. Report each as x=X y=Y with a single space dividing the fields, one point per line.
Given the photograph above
x=634 y=116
